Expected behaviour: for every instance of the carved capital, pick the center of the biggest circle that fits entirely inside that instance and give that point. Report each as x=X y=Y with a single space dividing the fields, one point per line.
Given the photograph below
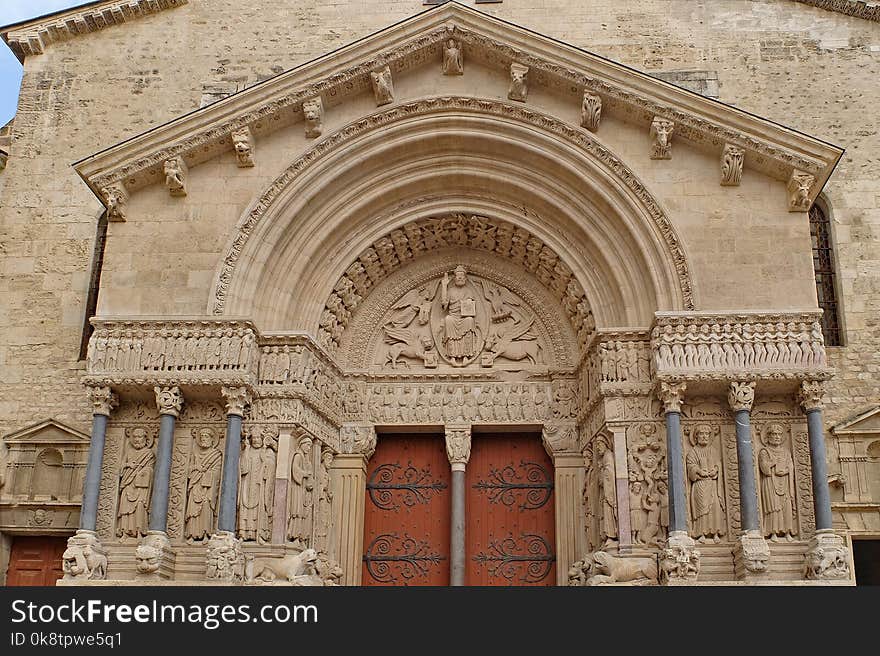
x=358 y=439
x=519 y=82
x=827 y=557
x=116 y=199
x=169 y=400
x=236 y=399
x=103 y=400
x=175 y=176
x=458 y=445
x=731 y=165
x=671 y=396
x=741 y=395
x=661 y=138
x=559 y=438
x=243 y=142
x=800 y=184
x=810 y=395
x=591 y=111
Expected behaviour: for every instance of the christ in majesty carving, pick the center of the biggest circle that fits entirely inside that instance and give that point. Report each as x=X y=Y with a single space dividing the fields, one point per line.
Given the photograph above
x=459 y=303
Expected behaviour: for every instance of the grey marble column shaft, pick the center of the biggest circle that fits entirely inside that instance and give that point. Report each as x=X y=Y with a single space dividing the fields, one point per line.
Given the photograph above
x=675 y=468
x=88 y=516
x=748 y=491
x=457 y=558
x=821 y=494
x=162 y=474
x=229 y=479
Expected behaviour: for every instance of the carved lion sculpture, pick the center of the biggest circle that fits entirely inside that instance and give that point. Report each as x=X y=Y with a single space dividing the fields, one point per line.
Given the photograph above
x=615 y=569
x=147 y=557
x=83 y=562
x=288 y=567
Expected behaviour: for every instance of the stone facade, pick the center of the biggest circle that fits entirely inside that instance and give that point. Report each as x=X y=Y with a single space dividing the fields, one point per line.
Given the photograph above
x=324 y=241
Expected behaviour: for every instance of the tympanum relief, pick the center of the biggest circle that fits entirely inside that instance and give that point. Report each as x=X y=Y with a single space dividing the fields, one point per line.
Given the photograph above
x=459 y=320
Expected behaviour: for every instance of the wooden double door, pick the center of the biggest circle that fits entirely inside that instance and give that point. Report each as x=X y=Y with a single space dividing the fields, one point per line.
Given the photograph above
x=35 y=560
x=509 y=512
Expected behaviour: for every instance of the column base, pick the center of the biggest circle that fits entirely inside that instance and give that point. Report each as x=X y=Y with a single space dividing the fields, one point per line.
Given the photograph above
x=751 y=557
x=224 y=559
x=155 y=557
x=85 y=559
x=827 y=557
x=679 y=560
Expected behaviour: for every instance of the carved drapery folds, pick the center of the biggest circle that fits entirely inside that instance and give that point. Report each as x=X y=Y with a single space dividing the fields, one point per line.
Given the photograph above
x=243 y=143
x=800 y=186
x=176 y=173
x=116 y=199
x=661 y=138
x=705 y=483
x=519 y=83
x=256 y=490
x=135 y=482
x=731 y=165
x=591 y=111
x=453 y=59
x=777 y=483
x=383 y=85
x=203 y=483
x=103 y=400
x=313 y=115
x=788 y=345
x=300 y=502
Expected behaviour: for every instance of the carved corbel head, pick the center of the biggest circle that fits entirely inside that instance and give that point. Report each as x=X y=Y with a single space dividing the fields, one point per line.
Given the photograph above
x=661 y=138
x=243 y=142
x=313 y=114
x=116 y=199
x=519 y=84
x=800 y=184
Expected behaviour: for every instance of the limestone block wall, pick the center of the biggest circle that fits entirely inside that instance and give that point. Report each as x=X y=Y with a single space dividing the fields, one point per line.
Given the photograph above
x=801 y=66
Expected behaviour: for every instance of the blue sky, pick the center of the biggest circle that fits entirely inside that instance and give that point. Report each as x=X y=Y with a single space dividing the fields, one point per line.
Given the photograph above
x=13 y=11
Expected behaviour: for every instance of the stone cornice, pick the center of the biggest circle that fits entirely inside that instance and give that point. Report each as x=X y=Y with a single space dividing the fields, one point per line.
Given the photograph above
x=636 y=96
x=854 y=8
x=32 y=37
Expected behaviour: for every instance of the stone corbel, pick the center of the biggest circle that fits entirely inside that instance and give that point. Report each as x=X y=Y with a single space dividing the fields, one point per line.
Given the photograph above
x=313 y=114
x=731 y=165
x=383 y=85
x=800 y=184
x=357 y=439
x=243 y=142
x=116 y=200
x=519 y=83
x=661 y=138
x=559 y=438
x=176 y=173
x=591 y=111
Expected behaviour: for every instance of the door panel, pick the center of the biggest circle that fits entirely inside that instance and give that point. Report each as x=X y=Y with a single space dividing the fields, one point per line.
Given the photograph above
x=35 y=560
x=510 y=525
x=407 y=512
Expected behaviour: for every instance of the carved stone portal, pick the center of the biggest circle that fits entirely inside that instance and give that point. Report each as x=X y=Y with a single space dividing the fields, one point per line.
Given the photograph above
x=459 y=320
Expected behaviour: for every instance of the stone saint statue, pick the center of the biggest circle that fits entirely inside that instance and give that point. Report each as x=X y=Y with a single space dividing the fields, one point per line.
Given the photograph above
x=459 y=328
x=452 y=63
x=777 y=486
x=300 y=495
x=202 y=485
x=325 y=501
x=135 y=481
x=257 y=490
x=607 y=493
x=706 y=506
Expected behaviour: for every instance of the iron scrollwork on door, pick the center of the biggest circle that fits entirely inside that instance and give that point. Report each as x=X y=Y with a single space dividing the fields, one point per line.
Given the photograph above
x=416 y=486
x=505 y=485
x=390 y=558
x=526 y=560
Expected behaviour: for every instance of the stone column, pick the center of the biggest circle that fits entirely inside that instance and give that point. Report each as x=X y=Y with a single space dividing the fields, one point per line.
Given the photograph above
x=155 y=558
x=751 y=553
x=224 y=556
x=679 y=560
x=458 y=450
x=827 y=557
x=85 y=557
x=348 y=481
x=561 y=443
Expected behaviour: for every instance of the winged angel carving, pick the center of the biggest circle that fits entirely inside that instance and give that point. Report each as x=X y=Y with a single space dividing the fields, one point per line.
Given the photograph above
x=408 y=332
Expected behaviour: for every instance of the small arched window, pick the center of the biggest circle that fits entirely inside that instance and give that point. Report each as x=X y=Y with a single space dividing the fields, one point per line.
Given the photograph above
x=823 y=266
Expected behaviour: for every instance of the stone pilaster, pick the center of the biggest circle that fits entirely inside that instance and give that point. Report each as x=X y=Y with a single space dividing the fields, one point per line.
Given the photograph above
x=568 y=474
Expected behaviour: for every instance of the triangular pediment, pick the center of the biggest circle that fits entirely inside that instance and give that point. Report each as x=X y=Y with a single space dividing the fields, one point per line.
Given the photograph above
x=47 y=431
x=865 y=423
x=417 y=42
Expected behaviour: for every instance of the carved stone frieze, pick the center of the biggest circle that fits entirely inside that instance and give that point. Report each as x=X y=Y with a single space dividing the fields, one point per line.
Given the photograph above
x=313 y=116
x=560 y=438
x=591 y=111
x=383 y=85
x=243 y=144
x=800 y=186
x=738 y=346
x=623 y=362
x=648 y=490
x=661 y=138
x=519 y=83
x=358 y=439
x=176 y=173
x=360 y=269
x=731 y=165
x=296 y=412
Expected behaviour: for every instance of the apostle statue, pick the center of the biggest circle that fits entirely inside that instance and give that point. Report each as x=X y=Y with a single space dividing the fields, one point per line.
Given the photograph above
x=135 y=481
x=325 y=501
x=202 y=485
x=777 y=486
x=606 y=492
x=706 y=505
x=300 y=494
x=256 y=493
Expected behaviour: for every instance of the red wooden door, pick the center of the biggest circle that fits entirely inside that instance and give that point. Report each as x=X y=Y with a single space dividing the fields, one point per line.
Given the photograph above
x=35 y=560
x=407 y=512
x=509 y=508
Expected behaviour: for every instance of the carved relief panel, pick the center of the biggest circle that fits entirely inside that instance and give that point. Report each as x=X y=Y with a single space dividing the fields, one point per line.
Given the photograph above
x=648 y=491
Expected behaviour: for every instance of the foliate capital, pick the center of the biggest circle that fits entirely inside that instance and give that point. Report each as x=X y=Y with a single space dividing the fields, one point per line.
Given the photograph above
x=103 y=400
x=810 y=395
x=458 y=444
x=741 y=395
x=236 y=399
x=671 y=396
x=169 y=400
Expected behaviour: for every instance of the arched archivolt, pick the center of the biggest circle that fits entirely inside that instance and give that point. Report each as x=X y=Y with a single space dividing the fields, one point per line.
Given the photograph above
x=443 y=157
